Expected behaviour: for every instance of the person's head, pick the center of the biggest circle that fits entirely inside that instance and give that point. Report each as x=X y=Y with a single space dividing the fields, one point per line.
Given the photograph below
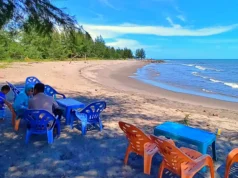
x=5 y=89
x=39 y=88
x=29 y=89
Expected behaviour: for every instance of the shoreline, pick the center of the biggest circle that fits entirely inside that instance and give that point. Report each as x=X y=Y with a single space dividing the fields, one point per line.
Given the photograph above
x=120 y=76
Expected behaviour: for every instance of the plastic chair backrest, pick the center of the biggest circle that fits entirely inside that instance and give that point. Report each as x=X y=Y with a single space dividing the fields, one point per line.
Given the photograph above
x=1 y=102
x=13 y=88
x=136 y=137
x=39 y=120
x=172 y=155
x=50 y=91
x=94 y=110
x=32 y=80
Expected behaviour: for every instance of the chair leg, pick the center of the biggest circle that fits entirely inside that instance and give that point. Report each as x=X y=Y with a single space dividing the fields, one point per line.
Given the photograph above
x=50 y=136
x=128 y=151
x=147 y=163
x=71 y=121
x=161 y=170
x=228 y=168
x=100 y=124
x=84 y=128
x=58 y=128
x=214 y=154
x=212 y=171
x=28 y=134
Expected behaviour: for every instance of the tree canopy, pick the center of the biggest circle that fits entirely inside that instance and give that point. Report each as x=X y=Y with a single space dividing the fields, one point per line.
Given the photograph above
x=140 y=54
x=16 y=14
x=25 y=23
x=57 y=45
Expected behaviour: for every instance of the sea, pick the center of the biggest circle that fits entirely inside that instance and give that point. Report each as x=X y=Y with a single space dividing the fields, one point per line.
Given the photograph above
x=212 y=78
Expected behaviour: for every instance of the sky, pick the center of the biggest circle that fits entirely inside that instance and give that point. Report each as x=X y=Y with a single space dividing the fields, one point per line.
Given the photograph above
x=166 y=29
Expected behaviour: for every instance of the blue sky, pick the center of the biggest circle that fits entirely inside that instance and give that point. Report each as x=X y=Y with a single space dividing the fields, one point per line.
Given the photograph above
x=166 y=29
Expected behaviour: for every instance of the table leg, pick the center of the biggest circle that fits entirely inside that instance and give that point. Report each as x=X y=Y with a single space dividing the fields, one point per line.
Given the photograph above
x=203 y=149
x=214 y=152
x=67 y=117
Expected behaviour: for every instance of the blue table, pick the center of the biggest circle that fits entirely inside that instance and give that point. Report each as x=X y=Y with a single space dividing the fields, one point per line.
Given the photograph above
x=69 y=104
x=202 y=139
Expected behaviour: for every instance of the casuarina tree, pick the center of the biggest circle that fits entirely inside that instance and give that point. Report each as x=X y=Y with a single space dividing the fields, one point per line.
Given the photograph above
x=42 y=14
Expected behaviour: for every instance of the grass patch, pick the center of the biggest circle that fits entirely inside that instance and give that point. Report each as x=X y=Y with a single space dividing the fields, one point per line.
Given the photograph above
x=4 y=65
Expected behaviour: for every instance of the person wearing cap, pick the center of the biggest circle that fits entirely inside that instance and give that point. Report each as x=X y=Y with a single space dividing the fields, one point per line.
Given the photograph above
x=21 y=102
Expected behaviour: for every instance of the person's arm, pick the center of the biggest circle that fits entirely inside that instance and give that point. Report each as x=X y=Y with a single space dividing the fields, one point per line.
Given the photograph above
x=55 y=104
x=9 y=105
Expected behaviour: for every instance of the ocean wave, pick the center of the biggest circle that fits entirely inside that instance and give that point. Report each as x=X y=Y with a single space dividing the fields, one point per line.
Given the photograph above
x=190 y=65
x=202 y=67
x=207 y=68
x=198 y=75
x=208 y=91
x=215 y=81
x=232 y=85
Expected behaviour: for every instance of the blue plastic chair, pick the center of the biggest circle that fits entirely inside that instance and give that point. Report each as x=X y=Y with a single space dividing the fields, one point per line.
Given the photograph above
x=90 y=115
x=14 y=89
x=41 y=122
x=2 y=108
x=50 y=91
x=32 y=80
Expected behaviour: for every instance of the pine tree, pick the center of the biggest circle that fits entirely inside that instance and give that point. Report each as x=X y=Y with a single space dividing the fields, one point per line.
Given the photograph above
x=41 y=14
x=140 y=54
x=57 y=45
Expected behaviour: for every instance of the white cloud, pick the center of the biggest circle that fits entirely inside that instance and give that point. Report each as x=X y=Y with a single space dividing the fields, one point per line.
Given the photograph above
x=128 y=43
x=108 y=4
x=181 y=17
x=172 y=23
x=113 y=31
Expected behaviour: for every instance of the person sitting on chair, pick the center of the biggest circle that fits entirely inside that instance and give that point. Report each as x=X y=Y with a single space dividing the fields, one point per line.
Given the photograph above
x=21 y=104
x=41 y=101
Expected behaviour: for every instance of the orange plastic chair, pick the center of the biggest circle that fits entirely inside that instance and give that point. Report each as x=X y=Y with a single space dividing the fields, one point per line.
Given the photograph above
x=140 y=144
x=184 y=162
x=231 y=158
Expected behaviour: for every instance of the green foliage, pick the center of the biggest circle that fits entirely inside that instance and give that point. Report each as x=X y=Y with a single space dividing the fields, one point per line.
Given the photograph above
x=59 y=45
x=186 y=119
x=36 y=29
x=140 y=54
x=41 y=14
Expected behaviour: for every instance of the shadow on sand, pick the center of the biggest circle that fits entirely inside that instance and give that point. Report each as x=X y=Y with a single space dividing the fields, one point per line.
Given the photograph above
x=97 y=154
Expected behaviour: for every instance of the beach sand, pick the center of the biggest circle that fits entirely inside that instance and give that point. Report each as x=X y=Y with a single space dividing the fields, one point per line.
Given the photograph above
x=101 y=154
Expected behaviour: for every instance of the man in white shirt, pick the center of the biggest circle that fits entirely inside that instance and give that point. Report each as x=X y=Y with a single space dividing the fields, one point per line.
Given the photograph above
x=41 y=101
